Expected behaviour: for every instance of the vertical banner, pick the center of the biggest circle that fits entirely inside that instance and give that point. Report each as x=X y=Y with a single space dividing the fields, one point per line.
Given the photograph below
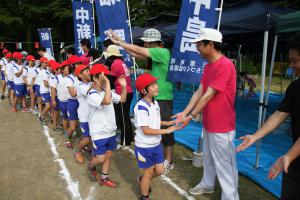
x=112 y=14
x=46 y=40
x=186 y=64
x=83 y=23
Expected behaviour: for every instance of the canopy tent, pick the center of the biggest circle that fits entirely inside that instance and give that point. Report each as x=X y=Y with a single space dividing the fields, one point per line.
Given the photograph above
x=289 y=23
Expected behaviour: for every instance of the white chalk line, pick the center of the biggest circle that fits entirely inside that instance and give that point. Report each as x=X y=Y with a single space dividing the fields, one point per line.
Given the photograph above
x=171 y=183
x=73 y=187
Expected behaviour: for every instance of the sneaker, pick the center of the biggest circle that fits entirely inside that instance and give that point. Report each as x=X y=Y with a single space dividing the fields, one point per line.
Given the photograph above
x=198 y=189
x=78 y=157
x=68 y=144
x=14 y=110
x=42 y=120
x=168 y=166
x=107 y=182
x=92 y=173
x=145 y=198
x=35 y=112
x=25 y=110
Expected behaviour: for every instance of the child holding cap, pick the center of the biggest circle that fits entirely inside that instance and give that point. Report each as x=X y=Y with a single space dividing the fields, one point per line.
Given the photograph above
x=102 y=122
x=148 y=148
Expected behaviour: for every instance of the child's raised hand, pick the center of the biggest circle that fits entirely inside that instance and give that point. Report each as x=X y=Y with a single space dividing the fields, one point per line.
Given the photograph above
x=122 y=81
x=171 y=129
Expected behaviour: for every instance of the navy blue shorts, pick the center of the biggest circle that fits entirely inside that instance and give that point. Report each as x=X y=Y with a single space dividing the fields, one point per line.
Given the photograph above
x=63 y=109
x=72 y=107
x=45 y=97
x=20 y=90
x=2 y=76
x=57 y=104
x=101 y=146
x=148 y=157
x=85 y=129
x=37 y=91
x=10 y=85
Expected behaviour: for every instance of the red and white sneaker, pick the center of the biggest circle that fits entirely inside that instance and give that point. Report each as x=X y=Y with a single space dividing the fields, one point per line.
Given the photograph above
x=25 y=110
x=107 y=182
x=68 y=144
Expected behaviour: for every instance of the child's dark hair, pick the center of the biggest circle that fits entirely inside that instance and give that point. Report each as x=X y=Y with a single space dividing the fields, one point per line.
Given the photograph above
x=86 y=42
x=42 y=48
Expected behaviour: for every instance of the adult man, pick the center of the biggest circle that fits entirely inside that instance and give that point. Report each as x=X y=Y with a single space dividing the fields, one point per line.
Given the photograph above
x=43 y=53
x=158 y=63
x=86 y=46
x=215 y=99
x=289 y=106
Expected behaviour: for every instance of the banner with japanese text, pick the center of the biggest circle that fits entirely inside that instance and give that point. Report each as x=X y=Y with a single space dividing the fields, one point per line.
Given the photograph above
x=186 y=64
x=112 y=14
x=83 y=23
x=46 y=40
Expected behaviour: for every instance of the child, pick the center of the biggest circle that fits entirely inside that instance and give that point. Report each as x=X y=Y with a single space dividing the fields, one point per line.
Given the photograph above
x=62 y=93
x=36 y=82
x=19 y=84
x=251 y=84
x=3 y=63
x=44 y=88
x=72 y=105
x=102 y=122
x=83 y=74
x=53 y=82
x=9 y=72
x=148 y=148
x=30 y=69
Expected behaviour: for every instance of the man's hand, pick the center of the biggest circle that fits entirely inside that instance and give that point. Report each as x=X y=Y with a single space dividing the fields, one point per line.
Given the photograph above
x=178 y=117
x=248 y=140
x=185 y=122
x=113 y=37
x=282 y=163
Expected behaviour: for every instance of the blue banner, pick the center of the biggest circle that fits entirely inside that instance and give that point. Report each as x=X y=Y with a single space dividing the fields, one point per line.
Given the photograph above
x=186 y=64
x=46 y=40
x=112 y=14
x=83 y=23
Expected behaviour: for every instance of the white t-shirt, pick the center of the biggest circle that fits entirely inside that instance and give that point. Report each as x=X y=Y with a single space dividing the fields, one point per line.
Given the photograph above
x=10 y=71
x=37 y=76
x=18 y=80
x=72 y=81
x=83 y=109
x=30 y=74
x=146 y=115
x=53 y=82
x=62 y=90
x=3 y=62
x=102 y=121
x=45 y=75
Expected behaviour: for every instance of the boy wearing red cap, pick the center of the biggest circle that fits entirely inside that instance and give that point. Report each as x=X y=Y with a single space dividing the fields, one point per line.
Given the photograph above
x=29 y=74
x=62 y=93
x=44 y=88
x=9 y=73
x=84 y=85
x=19 y=84
x=148 y=148
x=72 y=105
x=53 y=82
x=3 y=63
x=102 y=122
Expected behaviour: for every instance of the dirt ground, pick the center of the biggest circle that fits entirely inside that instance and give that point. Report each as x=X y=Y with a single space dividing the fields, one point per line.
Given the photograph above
x=28 y=169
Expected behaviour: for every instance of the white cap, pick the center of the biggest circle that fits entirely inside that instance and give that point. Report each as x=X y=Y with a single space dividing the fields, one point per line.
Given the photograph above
x=208 y=34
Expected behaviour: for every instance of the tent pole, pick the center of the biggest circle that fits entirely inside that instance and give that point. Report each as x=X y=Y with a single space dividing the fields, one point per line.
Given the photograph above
x=220 y=14
x=262 y=89
x=270 y=77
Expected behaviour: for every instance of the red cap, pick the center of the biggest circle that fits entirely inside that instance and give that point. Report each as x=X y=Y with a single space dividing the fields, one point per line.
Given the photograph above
x=98 y=69
x=5 y=51
x=17 y=55
x=51 y=62
x=143 y=81
x=8 y=55
x=43 y=60
x=79 y=68
x=64 y=63
x=74 y=59
x=54 y=65
x=30 y=58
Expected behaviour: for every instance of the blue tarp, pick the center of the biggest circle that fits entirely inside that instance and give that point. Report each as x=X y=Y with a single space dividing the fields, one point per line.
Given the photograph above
x=272 y=146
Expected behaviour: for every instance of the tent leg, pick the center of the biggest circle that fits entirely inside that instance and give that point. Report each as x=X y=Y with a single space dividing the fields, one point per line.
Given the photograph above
x=262 y=90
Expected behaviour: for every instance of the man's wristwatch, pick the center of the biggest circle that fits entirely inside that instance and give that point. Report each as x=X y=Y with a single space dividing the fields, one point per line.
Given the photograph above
x=192 y=116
